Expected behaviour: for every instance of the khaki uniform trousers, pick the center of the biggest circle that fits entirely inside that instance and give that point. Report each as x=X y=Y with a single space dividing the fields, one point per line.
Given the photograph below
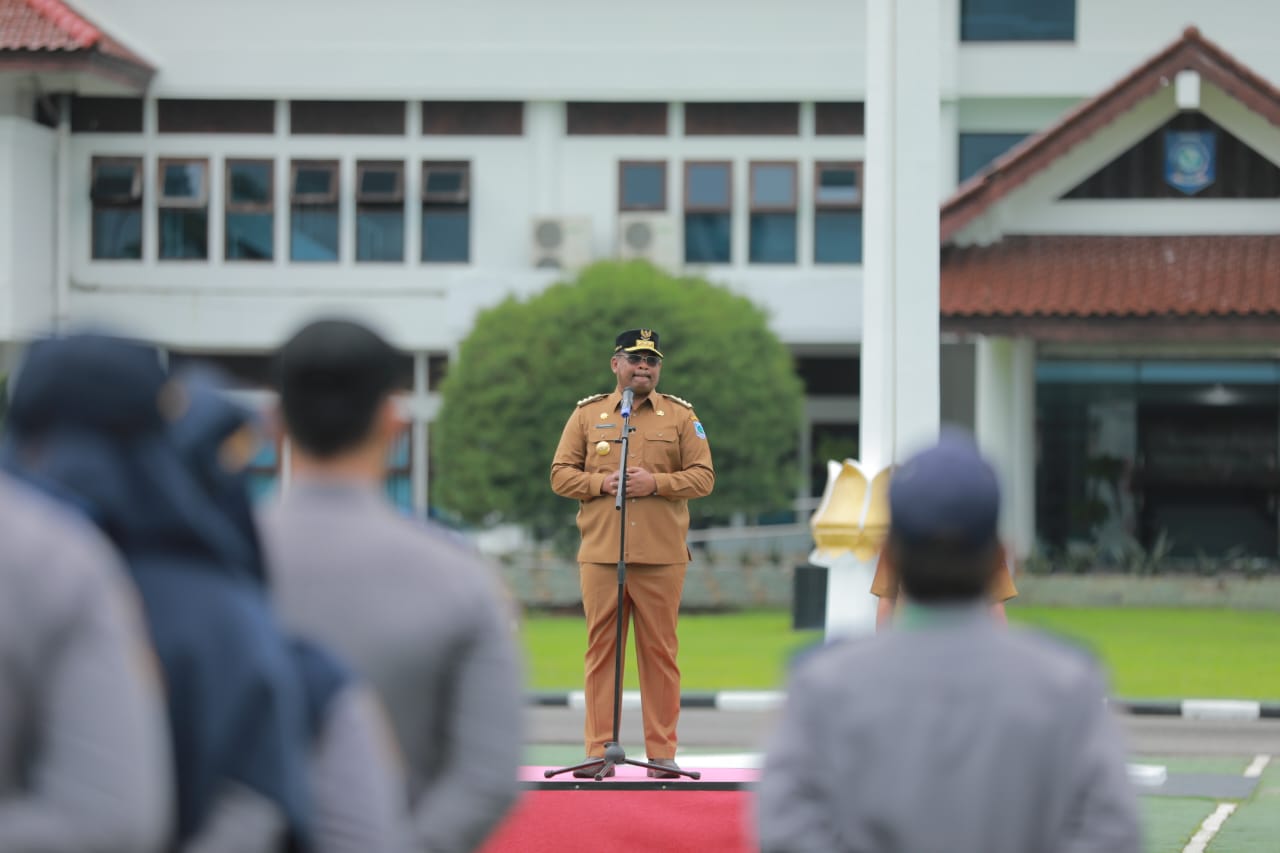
x=650 y=599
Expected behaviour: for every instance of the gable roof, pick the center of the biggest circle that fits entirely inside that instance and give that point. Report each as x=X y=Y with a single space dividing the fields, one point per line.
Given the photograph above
x=48 y=35
x=1191 y=52
x=1095 y=277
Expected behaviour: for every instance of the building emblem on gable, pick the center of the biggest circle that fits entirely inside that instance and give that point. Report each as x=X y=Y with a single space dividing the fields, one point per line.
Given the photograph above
x=1190 y=159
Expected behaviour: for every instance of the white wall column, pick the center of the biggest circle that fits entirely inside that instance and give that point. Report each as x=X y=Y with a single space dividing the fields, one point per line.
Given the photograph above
x=900 y=406
x=544 y=127
x=1004 y=421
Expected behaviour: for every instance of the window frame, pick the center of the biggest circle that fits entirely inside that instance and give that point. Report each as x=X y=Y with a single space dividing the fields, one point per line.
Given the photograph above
x=856 y=166
x=232 y=206
x=132 y=201
x=689 y=207
x=380 y=199
x=820 y=206
x=753 y=207
x=314 y=199
x=964 y=20
x=185 y=202
x=461 y=197
x=662 y=205
x=135 y=194
x=457 y=201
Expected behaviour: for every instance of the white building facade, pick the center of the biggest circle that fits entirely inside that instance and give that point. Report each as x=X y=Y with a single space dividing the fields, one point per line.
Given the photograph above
x=210 y=175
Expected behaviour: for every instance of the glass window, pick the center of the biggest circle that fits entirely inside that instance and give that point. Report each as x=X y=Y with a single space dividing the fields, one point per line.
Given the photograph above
x=1017 y=20
x=313 y=226
x=380 y=211
x=837 y=214
x=250 y=211
x=446 y=212
x=708 y=186
x=979 y=150
x=708 y=213
x=773 y=213
x=642 y=186
x=399 y=475
x=116 y=193
x=263 y=472
x=183 y=209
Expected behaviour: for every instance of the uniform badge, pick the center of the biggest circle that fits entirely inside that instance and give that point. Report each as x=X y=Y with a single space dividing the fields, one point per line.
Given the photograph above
x=602 y=448
x=697 y=428
x=604 y=415
x=661 y=413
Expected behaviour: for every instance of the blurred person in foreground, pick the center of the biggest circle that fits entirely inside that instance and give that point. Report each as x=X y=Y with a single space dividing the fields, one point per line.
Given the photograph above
x=87 y=423
x=415 y=613
x=356 y=780
x=668 y=464
x=949 y=733
x=83 y=752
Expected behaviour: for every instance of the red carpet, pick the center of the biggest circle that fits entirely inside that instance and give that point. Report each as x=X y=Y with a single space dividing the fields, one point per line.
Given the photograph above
x=629 y=813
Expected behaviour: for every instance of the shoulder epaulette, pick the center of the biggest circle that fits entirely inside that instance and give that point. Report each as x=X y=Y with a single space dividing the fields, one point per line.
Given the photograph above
x=684 y=403
x=591 y=399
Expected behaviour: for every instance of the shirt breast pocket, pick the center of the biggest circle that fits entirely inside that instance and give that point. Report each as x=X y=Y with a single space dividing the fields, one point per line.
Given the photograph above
x=661 y=450
x=597 y=461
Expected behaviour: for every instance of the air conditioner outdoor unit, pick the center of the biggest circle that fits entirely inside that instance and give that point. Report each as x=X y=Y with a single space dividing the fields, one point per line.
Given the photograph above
x=650 y=236
x=561 y=242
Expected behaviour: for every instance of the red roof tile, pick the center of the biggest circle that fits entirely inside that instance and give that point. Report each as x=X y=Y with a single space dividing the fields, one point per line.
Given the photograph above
x=1193 y=51
x=53 y=26
x=1114 y=276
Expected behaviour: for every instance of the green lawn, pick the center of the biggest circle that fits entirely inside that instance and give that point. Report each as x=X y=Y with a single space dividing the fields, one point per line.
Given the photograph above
x=1174 y=653
x=1150 y=653
x=738 y=651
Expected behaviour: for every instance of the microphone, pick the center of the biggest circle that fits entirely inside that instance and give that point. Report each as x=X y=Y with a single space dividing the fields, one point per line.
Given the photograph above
x=628 y=396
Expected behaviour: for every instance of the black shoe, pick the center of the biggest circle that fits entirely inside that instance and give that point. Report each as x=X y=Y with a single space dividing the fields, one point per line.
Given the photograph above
x=590 y=771
x=664 y=774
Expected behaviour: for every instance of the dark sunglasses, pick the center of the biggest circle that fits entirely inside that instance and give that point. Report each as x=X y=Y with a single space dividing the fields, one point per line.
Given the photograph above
x=651 y=360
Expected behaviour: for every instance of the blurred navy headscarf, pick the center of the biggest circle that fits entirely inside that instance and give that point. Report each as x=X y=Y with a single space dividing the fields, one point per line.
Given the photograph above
x=86 y=423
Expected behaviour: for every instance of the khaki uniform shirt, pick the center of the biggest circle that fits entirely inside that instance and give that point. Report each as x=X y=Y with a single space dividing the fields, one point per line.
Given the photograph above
x=668 y=441
x=885 y=583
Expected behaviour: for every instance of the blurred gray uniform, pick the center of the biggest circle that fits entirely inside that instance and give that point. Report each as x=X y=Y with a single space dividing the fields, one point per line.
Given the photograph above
x=84 y=759
x=420 y=619
x=956 y=737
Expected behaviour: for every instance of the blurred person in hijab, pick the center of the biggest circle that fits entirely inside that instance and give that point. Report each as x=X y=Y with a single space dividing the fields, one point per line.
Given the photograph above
x=84 y=752
x=87 y=424
x=355 y=773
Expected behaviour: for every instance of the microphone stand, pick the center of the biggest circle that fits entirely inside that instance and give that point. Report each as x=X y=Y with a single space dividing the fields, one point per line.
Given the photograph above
x=614 y=754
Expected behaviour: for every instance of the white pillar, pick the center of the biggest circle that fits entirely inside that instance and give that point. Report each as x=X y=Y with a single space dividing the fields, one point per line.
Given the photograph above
x=900 y=407
x=1004 y=420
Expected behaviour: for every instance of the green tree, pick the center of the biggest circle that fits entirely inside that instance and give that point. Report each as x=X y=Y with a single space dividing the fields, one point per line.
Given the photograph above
x=525 y=364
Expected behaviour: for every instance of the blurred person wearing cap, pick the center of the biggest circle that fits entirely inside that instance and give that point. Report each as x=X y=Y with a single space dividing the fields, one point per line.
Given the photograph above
x=949 y=733
x=84 y=757
x=668 y=464
x=416 y=614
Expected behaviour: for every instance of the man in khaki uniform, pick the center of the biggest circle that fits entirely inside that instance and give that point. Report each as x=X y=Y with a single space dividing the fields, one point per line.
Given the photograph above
x=885 y=586
x=668 y=462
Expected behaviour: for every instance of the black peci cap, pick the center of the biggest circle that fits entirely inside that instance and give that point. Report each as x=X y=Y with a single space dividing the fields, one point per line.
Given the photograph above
x=637 y=340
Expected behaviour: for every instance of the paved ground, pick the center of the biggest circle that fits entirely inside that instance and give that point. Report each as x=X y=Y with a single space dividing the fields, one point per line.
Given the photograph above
x=706 y=729
x=1206 y=762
